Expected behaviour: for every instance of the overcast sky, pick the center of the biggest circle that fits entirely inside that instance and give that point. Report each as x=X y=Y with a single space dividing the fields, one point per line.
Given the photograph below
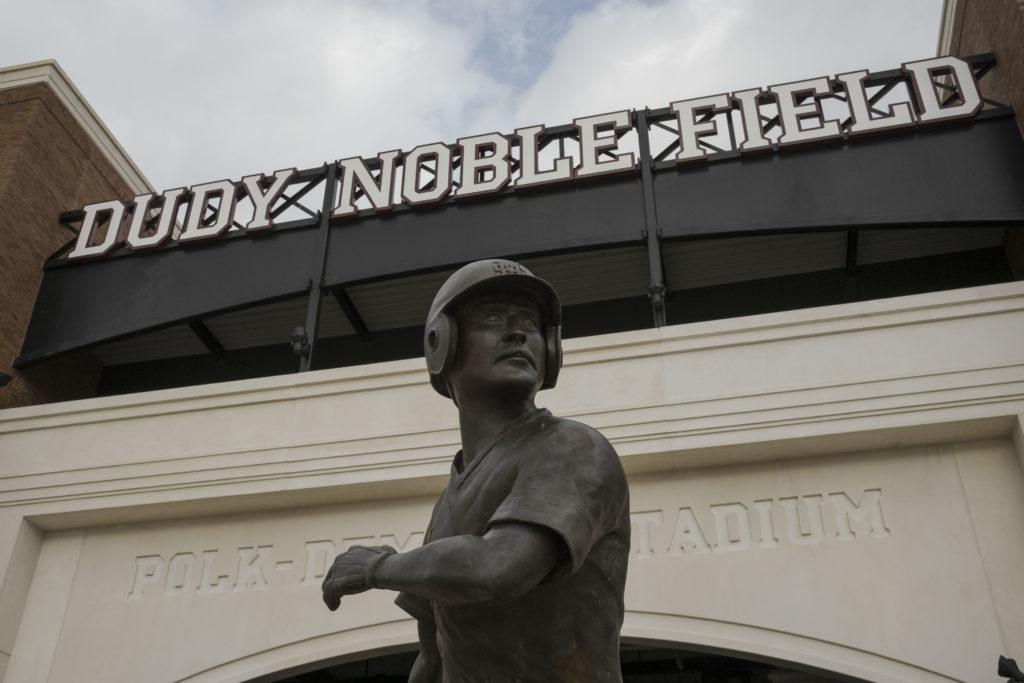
x=203 y=90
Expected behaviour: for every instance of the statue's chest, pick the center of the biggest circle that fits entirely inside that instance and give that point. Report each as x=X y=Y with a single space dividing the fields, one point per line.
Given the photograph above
x=469 y=502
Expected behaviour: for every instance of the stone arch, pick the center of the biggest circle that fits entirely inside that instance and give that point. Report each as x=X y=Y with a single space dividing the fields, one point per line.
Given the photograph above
x=313 y=653
x=753 y=642
x=640 y=628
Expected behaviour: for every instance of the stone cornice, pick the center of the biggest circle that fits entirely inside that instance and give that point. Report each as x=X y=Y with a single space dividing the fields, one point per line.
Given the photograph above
x=937 y=367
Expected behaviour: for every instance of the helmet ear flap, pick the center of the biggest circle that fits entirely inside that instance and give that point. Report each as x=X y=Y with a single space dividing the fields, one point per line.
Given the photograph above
x=439 y=342
x=553 y=362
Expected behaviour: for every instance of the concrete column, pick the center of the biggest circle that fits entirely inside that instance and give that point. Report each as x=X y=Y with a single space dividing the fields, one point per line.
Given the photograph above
x=20 y=542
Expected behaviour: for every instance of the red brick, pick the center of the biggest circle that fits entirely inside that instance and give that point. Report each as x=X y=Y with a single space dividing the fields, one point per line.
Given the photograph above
x=48 y=164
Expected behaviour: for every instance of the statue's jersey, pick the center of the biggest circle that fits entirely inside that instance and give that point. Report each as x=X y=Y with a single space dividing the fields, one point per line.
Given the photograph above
x=566 y=477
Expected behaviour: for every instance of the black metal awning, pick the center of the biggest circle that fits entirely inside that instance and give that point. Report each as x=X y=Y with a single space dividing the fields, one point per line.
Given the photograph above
x=964 y=175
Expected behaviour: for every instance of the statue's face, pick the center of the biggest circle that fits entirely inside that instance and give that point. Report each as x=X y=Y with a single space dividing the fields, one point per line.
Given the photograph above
x=501 y=347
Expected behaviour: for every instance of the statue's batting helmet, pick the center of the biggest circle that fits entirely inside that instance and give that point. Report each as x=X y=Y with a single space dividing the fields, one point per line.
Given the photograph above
x=441 y=335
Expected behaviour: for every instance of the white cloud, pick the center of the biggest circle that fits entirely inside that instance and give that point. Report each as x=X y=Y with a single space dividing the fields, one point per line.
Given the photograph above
x=197 y=91
x=628 y=54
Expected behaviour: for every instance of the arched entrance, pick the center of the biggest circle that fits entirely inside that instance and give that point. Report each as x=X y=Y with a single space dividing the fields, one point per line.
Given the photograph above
x=640 y=664
x=655 y=649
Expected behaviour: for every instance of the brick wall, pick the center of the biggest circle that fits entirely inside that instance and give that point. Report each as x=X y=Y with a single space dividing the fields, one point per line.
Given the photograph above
x=48 y=164
x=997 y=26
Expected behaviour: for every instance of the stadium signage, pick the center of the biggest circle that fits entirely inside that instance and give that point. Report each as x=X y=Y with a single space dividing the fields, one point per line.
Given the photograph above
x=485 y=163
x=712 y=530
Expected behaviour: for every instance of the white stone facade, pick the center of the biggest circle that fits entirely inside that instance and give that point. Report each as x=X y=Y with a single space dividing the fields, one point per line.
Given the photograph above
x=840 y=488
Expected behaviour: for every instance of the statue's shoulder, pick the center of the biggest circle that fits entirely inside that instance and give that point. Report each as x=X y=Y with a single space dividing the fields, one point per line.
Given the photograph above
x=565 y=433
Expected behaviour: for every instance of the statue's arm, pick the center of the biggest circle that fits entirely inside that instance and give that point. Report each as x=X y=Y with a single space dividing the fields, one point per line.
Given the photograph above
x=510 y=559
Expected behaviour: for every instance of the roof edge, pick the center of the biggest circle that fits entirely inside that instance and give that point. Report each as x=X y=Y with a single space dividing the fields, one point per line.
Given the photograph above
x=946 y=26
x=49 y=73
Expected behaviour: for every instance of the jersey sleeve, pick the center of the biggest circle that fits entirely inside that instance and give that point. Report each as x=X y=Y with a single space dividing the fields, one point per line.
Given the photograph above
x=571 y=482
x=415 y=606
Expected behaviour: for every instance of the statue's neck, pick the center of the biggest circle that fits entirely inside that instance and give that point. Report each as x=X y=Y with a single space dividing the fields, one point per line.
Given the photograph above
x=480 y=426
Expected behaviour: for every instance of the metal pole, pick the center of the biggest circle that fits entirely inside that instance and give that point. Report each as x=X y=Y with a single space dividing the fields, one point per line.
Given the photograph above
x=316 y=280
x=652 y=234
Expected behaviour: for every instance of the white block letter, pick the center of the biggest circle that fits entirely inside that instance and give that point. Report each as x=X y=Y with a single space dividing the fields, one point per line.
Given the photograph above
x=179 y=582
x=731 y=537
x=687 y=535
x=262 y=201
x=767 y=527
x=592 y=145
x=250 y=568
x=319 y=556
x=147 y=570
x=853 y=83
x=483 y=155
x=791 y=113
x=115 y=213
x=928 y=96
x=816 y=526
x=867 y=514
x=201 y=196
x=354 y=170
x=750 y=118
x=442 y=182
x=529 y=160
x=642 y=538
x=690 y=129
x=136 y=240
x=211 y=582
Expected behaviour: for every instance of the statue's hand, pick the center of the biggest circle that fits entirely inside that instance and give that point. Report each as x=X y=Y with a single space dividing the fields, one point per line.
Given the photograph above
x=352 y=571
